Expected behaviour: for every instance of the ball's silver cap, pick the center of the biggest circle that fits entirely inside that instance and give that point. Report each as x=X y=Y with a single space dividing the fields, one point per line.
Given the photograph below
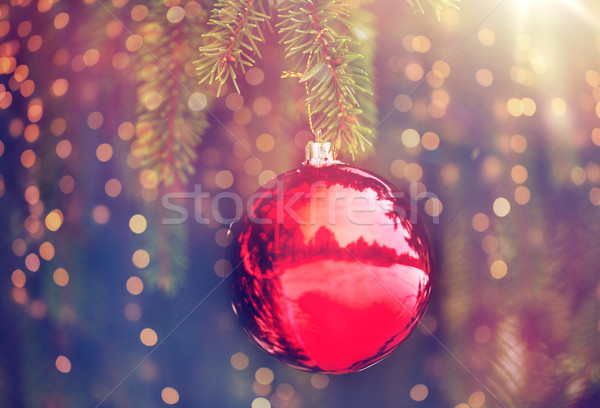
x=319 y=154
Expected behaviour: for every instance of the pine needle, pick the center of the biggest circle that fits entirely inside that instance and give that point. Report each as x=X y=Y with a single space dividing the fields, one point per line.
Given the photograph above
x=318 y=39
x=232 y=41
x=170 y=122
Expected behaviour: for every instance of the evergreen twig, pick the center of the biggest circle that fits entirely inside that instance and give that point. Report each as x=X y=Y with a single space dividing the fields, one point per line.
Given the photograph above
x=317 y=36
x=233 y=41
x=169 y=129
x=437 y=5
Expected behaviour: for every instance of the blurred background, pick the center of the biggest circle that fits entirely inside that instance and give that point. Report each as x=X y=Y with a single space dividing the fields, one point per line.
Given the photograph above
x=495 y=109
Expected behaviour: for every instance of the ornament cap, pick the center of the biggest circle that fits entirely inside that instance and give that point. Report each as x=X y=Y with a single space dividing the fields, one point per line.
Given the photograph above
x=318 y=154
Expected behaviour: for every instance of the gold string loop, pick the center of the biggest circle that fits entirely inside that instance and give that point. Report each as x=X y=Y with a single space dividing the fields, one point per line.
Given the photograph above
x=296 y=74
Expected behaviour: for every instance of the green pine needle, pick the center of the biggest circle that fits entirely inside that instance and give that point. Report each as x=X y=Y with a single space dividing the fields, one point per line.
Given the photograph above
x=437 y=5
x=232 y=41
x=318 y=39
x=168 y=130
x=321 y=38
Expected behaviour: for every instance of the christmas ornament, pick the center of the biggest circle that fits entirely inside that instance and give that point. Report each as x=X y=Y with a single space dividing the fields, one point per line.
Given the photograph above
x=332 y=274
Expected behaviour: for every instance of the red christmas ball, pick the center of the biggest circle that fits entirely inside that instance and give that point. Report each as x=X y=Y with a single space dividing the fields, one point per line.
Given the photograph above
x=330 y=273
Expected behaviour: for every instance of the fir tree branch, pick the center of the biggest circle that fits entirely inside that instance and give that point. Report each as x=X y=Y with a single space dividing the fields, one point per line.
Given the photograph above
x=232 y=41
x=316 y=35
x=437 y=5
x=170 y=121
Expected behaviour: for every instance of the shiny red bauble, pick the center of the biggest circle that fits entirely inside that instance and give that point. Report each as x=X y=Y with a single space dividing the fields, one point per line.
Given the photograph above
x=332 y=268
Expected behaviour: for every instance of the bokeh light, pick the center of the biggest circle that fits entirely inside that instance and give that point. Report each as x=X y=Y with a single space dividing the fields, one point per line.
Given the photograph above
x=476 y=399
x=224 y=179
x=18 y=278
x=133 y=312
x=419 y=392
x=265 y=142
x=498 y=269
x=482 y=334
x=264 y=376
x=410 y=138
x=32 y=262
x=501 y=207
x=239 y=361
x=112 y=187
x=319 y=381
x=141 y=258
x=47 y=251
x=148 y=337
x=480 y=222
x=138 y=223
x=170 y=395
x=63 y=364
x=260 y=402
x=134 y=285
x=101 y=214
x=61 y=277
